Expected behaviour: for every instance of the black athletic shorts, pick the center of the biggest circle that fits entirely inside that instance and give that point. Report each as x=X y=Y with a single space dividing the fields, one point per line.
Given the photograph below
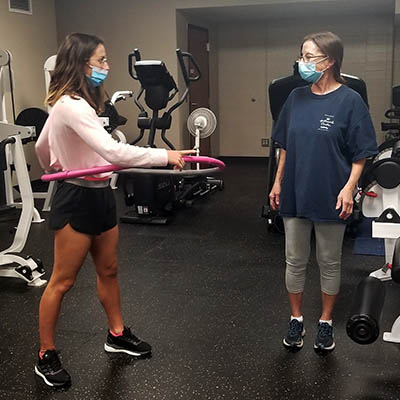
x=89 y=210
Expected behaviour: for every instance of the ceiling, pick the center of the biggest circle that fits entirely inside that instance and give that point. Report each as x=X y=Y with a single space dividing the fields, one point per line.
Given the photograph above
x=292 y=9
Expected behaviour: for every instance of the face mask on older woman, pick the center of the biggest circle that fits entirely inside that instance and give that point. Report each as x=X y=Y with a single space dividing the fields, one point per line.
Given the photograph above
x=308 y=71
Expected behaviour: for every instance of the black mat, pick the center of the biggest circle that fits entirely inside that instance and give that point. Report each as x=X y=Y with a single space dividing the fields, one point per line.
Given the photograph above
x=208 y=293
x=364 y=243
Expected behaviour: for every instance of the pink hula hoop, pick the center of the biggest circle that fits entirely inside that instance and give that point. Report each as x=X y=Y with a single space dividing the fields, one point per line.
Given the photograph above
x=77 y=173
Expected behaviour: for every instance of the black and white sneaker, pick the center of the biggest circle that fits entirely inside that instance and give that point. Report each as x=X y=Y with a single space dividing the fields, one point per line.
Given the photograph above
x=127 y=343
x=324 y=342
x=294 y=337
x=49 y=368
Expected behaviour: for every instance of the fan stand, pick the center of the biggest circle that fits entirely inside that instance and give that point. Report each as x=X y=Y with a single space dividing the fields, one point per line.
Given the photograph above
x=201 y=124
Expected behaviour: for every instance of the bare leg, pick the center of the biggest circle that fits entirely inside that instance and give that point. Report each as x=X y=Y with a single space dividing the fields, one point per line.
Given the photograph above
x=104 y=253
x=70 y=250
x=296 y=300
x=328 y=303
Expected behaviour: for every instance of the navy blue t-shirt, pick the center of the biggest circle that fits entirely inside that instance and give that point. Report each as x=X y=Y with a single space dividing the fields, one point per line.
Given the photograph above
x=322 y=135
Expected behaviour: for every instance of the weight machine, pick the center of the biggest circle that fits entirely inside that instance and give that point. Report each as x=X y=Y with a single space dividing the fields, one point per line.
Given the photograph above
x=12 y=138
x=380 y=199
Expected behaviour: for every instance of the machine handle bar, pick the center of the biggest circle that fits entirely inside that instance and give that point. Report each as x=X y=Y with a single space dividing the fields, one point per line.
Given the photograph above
x=3 y=144
x=135 y=54
x=186 y=76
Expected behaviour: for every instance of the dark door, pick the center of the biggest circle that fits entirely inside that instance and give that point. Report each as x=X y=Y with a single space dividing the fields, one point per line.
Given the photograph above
x=199 y=95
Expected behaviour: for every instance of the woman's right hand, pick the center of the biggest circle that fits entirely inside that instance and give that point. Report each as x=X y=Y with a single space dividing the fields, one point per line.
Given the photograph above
x=175 y=157
x=274 y=196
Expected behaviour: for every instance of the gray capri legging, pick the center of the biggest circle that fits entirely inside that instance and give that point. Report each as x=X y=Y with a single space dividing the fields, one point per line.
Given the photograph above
x=329 y=241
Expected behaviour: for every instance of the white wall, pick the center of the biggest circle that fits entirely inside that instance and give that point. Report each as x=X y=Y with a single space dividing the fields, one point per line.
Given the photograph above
x=242 y=88
x=30 y=39
x=249 y=54
x=125 y=25
x=396 y=52
x=244 y=57
x=252 y=55
x=157 y=29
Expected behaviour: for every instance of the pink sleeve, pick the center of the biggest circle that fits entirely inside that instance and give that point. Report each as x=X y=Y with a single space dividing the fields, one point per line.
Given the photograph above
x=82 y=118
x=42 y=148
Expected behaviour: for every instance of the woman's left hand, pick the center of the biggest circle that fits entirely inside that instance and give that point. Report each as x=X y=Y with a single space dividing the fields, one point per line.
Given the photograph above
x=345 y=201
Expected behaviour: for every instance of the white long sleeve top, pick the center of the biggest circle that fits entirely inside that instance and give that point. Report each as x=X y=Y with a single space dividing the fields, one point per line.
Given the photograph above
x=73 y=137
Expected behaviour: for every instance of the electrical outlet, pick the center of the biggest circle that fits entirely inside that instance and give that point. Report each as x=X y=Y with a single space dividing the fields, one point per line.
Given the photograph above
x=265 y=142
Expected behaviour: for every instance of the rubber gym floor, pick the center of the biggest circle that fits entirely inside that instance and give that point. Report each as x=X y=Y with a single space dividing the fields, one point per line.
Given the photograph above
x=208 y=293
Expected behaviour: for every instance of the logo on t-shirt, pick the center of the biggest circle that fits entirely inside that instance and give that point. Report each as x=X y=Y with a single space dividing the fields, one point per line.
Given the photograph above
x=326 y=122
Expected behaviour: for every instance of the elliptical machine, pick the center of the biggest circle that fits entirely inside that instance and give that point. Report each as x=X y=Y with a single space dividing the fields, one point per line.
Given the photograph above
x=157 y=196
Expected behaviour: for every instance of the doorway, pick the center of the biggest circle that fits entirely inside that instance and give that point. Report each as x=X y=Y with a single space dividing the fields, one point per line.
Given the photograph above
x=198 y=46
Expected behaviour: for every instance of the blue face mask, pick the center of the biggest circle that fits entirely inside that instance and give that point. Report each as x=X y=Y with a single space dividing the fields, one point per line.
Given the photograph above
x=97 y=76
x=308 y=72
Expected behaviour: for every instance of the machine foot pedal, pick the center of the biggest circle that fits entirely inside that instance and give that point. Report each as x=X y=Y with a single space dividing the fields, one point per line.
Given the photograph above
x=383 y=274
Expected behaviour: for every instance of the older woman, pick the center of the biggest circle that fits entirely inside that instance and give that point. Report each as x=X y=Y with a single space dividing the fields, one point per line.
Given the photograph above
x=326 y=133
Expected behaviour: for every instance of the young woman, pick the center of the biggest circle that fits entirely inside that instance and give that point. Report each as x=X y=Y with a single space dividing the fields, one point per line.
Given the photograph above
x=83 y=213
x=326 y=133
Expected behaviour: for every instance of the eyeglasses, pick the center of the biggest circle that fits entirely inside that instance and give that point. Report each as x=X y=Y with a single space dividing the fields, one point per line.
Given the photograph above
x=101 y=61
x=308 y=58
